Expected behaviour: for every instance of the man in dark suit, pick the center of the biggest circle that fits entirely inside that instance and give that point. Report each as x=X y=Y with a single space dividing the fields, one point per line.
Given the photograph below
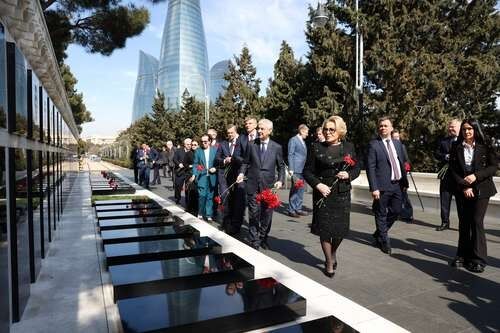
x=446 y=187
x=297 y=155
x=263 y=156
x=229 y=159
x=180 y=169
x=250 y=135
x=134 y=158
x=387 y=180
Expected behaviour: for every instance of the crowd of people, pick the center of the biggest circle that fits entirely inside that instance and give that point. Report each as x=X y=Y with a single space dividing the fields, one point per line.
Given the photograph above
x=222 y=178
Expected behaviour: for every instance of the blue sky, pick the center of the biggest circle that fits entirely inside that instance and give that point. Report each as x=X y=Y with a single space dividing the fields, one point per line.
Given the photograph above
x=108 y=82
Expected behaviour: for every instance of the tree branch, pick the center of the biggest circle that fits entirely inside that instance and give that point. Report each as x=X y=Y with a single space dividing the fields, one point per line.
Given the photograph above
x=46 y=4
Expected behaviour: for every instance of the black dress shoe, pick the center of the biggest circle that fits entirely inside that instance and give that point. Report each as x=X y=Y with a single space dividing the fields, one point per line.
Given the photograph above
x=475 y=267
x=265 y=246
x=386 y=249
x=328 y=274
x=443 y=226
x=295 y=215
x=302 y=213
x=457 y=262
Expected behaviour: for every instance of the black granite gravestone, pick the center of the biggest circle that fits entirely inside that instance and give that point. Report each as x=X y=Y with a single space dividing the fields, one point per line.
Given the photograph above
x=126 y=253
x=142 y=234
x=140 y=222
x=133 y=206
x=222 y=308
x=132 y=213
x=329 y=324
x=160 y=276
x=122 y=202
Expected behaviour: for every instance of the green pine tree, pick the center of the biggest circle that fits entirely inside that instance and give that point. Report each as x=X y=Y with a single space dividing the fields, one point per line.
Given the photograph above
x=282 y=104
x=241 y=98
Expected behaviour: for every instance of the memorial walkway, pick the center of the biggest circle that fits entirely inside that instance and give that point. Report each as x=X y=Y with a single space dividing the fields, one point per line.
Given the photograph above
x=414 y=288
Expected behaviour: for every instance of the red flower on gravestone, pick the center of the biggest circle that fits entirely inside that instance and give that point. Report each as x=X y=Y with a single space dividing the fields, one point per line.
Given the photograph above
x=407 y=166
x=267 y=283
x=299 y=183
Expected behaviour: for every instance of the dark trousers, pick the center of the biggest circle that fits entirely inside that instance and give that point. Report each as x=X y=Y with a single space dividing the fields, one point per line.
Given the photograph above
x=387 y=210
x=471 y=237
x=259 y=220
x=144 y=176
x=445 y=196
x=178 y=184
x=191 y=198
x=136 y=174
x=234 y=209
x=156 y=174
x=407 y=208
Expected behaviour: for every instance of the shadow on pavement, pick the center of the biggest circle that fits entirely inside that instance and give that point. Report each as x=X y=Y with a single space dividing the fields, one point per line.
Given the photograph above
x=293 y=251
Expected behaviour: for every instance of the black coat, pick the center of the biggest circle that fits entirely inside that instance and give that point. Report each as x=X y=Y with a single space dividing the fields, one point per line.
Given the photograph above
x=442 y=154
x=484 y=167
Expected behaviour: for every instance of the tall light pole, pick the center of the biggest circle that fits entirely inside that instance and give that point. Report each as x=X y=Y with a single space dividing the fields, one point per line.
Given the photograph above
x=206 y=111
x=321 y=17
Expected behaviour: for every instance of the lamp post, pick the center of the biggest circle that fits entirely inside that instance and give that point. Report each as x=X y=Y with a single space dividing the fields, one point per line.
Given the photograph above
x=206 y=111
x=321 y=17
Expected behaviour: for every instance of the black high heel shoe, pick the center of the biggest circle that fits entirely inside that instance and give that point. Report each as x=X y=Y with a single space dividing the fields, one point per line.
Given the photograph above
x=327 y=273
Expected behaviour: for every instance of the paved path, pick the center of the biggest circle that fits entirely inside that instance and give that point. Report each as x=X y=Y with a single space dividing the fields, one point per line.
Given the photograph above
x=414 y=288
x=68 y=295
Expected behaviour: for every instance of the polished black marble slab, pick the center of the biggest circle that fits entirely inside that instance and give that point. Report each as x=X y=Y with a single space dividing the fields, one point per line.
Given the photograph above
x=121 y=202
x=132 y=213
x=110 y=191
x=160 y=276
x=139 y=222
x=133 y=206
x=143 y=234
x=232 y=307
x=127 y=253
x=322 y=325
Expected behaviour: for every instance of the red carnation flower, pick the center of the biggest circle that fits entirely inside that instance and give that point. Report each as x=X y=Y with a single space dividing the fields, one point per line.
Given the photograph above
x=267 y=283
x=349 y=160
x=298 y=184
x=269 y=198
x=218 y=200
x=200 y=167
x=407 y=166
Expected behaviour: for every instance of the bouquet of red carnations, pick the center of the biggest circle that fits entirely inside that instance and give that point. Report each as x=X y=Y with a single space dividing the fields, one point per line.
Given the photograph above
x=269 y=197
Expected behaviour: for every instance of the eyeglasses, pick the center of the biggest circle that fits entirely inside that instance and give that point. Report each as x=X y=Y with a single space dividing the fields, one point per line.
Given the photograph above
x=467 y=129
x=329 y=129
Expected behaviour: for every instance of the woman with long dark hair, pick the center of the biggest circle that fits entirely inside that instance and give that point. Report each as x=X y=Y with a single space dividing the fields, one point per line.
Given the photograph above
x=473 y=164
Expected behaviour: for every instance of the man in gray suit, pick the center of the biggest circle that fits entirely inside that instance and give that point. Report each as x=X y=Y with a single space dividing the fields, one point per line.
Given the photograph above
x=262 y=157
x=297 y=155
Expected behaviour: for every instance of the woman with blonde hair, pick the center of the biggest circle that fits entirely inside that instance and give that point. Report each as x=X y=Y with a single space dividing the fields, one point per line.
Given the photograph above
x=330 y=168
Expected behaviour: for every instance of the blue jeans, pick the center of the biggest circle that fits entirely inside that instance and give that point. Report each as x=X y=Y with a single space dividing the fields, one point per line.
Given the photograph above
x=296 y=197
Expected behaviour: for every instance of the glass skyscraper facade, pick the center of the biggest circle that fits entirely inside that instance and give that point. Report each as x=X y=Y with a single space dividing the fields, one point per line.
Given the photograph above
x=217 y=82
x=145 y=86
x=183 y=55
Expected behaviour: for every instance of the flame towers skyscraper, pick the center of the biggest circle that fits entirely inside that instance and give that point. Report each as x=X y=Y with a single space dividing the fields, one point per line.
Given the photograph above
x=145 y=86
x=183 y=56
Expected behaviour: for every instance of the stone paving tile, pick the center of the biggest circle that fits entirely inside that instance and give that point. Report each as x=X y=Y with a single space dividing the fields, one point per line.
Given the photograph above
x=414 y=287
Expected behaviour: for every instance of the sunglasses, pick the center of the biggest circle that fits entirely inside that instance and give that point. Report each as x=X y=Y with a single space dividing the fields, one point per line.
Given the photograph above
x=329 y=129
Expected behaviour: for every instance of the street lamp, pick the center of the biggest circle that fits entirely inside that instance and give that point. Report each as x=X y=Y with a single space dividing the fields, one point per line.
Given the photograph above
x=206 y=111
x=320 y=18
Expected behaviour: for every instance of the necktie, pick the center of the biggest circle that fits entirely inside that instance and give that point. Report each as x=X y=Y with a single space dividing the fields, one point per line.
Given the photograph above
x=250 y=137
x=395 y=167
x=231 y=148
x=262 y=150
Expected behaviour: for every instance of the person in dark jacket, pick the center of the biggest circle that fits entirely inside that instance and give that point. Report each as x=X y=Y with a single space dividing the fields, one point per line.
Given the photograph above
x=180 y=169
x=473 y=164
x=442 y=154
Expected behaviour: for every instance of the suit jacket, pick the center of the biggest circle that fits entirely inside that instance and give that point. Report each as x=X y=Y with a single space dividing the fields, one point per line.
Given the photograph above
x=484 y=167
x=378 y=168
x=244 y=139
x=262 y=174
x=297 y=154
x=179 y=156
x=442 y=155
x=203 y=177
x=236 y=159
